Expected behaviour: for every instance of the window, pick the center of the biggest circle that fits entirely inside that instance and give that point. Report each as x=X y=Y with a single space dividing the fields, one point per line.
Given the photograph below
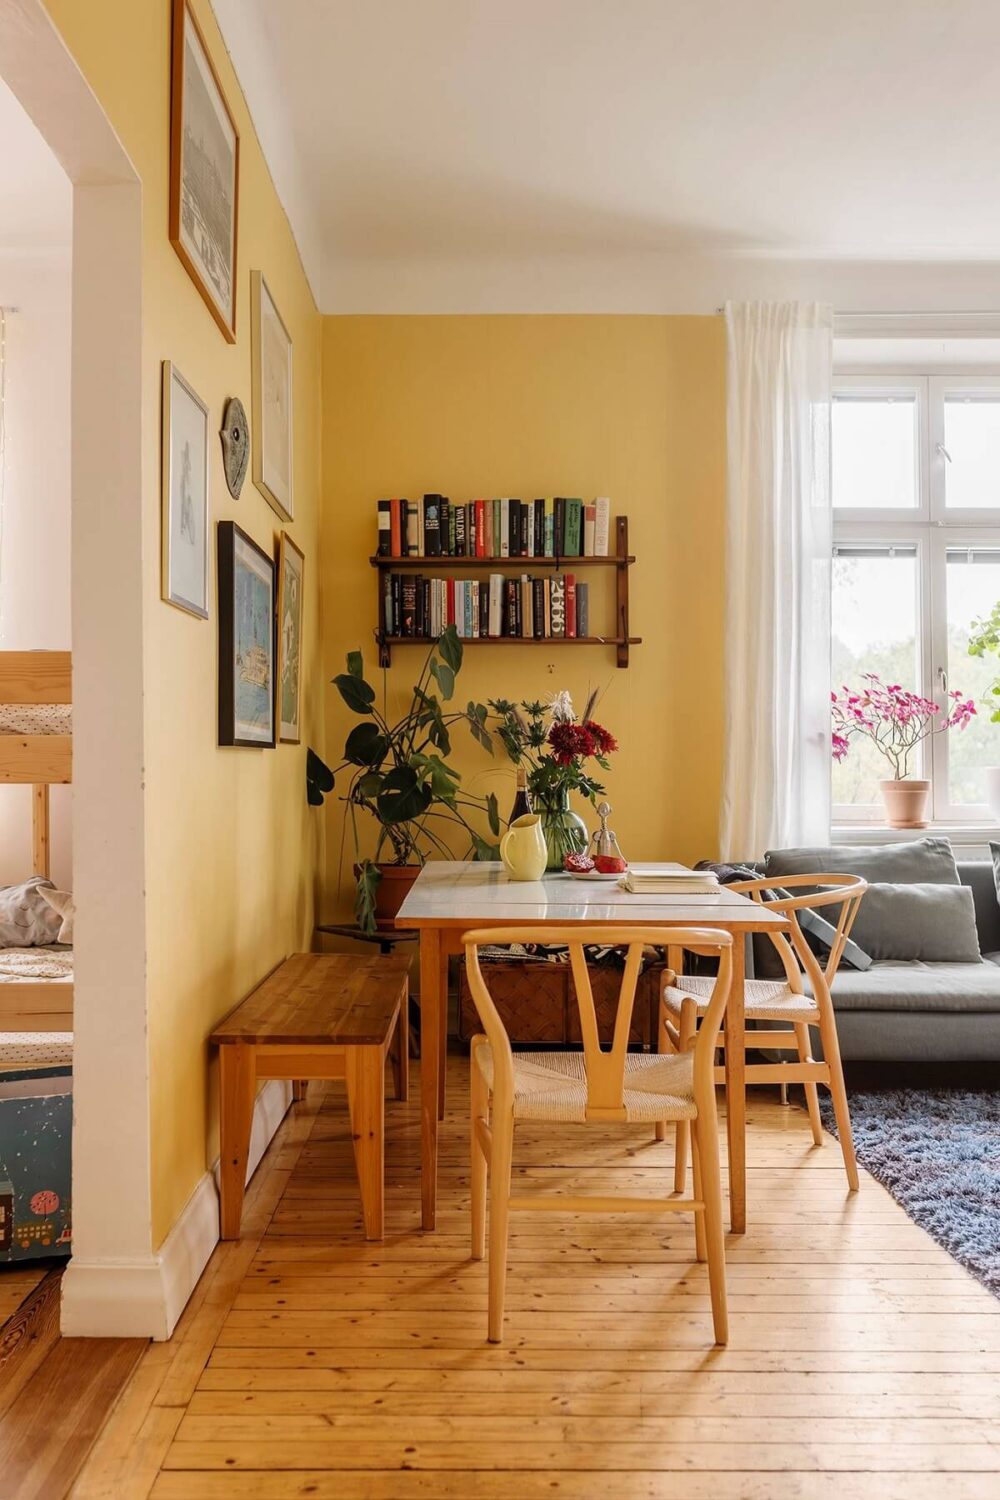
x=916 y=495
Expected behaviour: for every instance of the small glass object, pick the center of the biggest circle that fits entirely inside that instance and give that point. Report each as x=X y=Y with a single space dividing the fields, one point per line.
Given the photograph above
x=604 y=844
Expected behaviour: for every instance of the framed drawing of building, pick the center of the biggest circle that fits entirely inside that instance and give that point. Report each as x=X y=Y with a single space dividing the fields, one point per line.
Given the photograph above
x=204 y=171
x=271 y=381
x=290 y=568
x=246 y=640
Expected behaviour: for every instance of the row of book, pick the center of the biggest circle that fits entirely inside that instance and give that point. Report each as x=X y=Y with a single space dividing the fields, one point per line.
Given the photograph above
x=525 y=607
x=434 y=527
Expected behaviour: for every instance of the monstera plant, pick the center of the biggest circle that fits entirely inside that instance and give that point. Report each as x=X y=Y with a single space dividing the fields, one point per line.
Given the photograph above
x=397 y=774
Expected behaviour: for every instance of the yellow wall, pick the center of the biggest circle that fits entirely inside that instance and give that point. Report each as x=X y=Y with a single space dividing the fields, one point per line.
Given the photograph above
x=631 y=407
x=231 y=846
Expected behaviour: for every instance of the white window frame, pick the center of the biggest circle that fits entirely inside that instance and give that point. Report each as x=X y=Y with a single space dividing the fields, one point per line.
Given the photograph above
x=933 y=528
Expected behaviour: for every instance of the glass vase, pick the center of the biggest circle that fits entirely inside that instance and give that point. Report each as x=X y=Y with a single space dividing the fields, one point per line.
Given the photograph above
x=565 y=831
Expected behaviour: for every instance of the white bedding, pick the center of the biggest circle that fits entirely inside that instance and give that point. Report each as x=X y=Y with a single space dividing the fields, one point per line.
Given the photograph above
x=36 y=718
x=20 y=1050
x=29 y=965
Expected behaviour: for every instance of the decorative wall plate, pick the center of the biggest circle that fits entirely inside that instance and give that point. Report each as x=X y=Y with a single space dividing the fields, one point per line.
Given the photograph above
x=235 y=437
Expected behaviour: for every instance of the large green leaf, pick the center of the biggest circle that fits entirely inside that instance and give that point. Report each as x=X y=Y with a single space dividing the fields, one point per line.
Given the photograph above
x=319 y=779
x=403 y=796
x=485 y=850
x=450 y=648
x=366 y=745
x=356 y=693
x=369 y=876
x=355 y=664
x=493 y=813
x=432 y=770
x=445 y=678
x=369 y=784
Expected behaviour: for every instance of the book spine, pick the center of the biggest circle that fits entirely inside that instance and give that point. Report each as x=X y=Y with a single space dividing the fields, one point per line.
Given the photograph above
x=488 y=528
x=559 y=527
x=549 y=529
x=432 y=525
x=558 y=605
x=480 y=528
x=574 y=518
x=421 y=551
x=571 y=606
x=589 y=528
x=467 y=607
x=495 y=618
x=387 y=624
x=509 y=607
x=538 y=605
x=412 y=529
x=483 y=602
x=527 y=607
x=583 y=609
x=504 y=528
x=449 y=618
x=547 y=631
x=525 y=531
x=384 y=548
x=496 y=528
x=408 y=625
x=602 y=526
x=514 y=529
x=539 y=520
x=460 y=520
x=470 y=529
x=445 y=526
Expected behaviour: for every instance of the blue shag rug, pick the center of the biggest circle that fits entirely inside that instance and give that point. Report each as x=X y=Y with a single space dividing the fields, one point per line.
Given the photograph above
x=938 y=1154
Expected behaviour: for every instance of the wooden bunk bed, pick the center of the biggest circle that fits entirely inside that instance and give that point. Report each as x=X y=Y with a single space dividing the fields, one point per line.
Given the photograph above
x=36 y=750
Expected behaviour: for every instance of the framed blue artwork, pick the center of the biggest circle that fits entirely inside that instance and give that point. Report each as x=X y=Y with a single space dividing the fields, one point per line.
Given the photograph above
x=246 y=640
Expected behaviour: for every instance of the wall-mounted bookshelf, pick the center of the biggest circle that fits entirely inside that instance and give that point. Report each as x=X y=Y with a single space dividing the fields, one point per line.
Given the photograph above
x=621 y=560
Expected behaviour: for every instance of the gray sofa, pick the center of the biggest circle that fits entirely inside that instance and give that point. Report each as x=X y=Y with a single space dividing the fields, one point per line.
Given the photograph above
x=913 y=1011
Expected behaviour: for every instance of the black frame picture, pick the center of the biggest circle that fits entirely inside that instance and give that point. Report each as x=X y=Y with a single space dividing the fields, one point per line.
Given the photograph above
x=247 y=640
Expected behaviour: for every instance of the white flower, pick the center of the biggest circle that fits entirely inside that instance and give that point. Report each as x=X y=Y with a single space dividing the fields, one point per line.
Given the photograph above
x=561 y=708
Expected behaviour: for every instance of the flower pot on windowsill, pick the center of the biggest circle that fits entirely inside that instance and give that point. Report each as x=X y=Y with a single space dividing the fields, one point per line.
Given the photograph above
x=905 y=802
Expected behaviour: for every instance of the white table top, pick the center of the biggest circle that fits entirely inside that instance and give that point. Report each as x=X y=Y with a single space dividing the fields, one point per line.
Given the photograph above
x=452 y=893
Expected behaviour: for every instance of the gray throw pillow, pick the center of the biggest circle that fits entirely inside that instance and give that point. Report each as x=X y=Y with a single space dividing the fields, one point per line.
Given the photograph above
x=928 y=861
x=931 y=922
x=26 y=918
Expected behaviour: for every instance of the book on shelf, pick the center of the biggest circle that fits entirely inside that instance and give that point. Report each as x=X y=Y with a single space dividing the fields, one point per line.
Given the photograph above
x=557 y=606
x=583 y=609
x=552 y=527
x=570 y=587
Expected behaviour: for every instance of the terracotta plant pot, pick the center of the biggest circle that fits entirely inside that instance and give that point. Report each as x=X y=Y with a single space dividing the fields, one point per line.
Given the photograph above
x=392 y=890
x=905 y=803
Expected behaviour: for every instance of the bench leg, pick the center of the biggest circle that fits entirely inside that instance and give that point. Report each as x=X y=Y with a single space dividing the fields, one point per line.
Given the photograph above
x=365 y=1069
x=299 y=1087
x=401 y=1057
x=237 y=1087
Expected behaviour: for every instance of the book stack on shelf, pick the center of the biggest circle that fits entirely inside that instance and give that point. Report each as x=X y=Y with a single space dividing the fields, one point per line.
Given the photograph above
x=433 y=527
x=522 y=607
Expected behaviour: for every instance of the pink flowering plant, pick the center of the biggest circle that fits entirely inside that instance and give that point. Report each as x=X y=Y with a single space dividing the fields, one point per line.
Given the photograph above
x=895 y=720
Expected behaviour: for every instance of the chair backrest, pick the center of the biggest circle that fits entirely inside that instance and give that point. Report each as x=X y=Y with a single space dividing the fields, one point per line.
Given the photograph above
x=818 y=892
x=605 y=1068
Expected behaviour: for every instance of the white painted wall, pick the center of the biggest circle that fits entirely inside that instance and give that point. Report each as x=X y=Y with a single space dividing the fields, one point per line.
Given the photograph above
x=35 y=518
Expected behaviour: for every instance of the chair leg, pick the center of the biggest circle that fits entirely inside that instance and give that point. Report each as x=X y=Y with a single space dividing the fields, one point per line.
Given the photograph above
x=700 y=1242
x=686 y=1029
x=705 y=1132
x=479 y=1101
x=663 y=1045
x=838 y=1095
x=501 y=1151
x=812 y=1092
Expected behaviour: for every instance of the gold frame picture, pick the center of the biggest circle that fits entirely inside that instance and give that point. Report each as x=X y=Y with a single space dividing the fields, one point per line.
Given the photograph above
x=288 y=675
x=271 y=382
x=184 y=467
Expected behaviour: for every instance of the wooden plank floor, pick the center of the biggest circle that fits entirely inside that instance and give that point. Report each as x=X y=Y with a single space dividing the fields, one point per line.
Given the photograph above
x=863 y=1361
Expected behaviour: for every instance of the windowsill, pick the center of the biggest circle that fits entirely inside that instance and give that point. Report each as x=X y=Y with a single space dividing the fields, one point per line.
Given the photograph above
x=966 y=835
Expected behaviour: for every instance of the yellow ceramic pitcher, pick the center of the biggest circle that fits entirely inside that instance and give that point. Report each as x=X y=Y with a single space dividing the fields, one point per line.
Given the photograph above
x=522 y=849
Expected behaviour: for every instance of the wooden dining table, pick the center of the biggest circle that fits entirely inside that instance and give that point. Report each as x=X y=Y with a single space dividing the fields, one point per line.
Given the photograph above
x=450 y=897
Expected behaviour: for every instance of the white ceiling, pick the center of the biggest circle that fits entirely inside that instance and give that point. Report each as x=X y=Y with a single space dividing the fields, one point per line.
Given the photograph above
x=491 y=133
x=36 y=197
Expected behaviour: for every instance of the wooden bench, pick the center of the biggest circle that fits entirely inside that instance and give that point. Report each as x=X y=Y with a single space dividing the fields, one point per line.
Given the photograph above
x=317 y=1016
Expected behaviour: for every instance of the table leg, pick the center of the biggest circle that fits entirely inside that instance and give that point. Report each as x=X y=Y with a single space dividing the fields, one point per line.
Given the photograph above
x=736 y=1092
x=237 y=1088
x=430 y=1068
x=443 y=983
x=365 y=1071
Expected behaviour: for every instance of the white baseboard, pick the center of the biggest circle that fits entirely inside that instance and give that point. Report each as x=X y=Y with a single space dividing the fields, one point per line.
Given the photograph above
x=144 y=1298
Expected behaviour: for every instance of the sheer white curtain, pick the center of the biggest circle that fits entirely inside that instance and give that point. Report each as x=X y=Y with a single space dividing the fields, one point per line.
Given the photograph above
x=776 y=785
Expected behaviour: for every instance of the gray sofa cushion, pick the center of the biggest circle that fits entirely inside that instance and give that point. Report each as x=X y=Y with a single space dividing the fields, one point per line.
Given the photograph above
x=936 y=923
x=927 y=861
x=918 y=986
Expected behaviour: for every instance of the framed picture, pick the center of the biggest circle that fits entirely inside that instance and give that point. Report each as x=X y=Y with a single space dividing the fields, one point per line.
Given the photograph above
x=246 y=639
x=204 y=171
x=271 y=371
x=290 y=566
x=184 y=495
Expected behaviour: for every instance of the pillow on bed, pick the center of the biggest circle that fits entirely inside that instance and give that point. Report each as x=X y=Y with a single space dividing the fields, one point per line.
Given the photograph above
x=26 y=918
x=64 y=906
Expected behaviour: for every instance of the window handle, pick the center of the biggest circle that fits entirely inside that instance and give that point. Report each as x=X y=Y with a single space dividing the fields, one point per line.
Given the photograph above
x=943 y=451
x=942 y=677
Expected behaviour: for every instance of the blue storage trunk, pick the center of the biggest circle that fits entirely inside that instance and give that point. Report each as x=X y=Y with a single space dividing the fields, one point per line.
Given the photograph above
x=36 y=1123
